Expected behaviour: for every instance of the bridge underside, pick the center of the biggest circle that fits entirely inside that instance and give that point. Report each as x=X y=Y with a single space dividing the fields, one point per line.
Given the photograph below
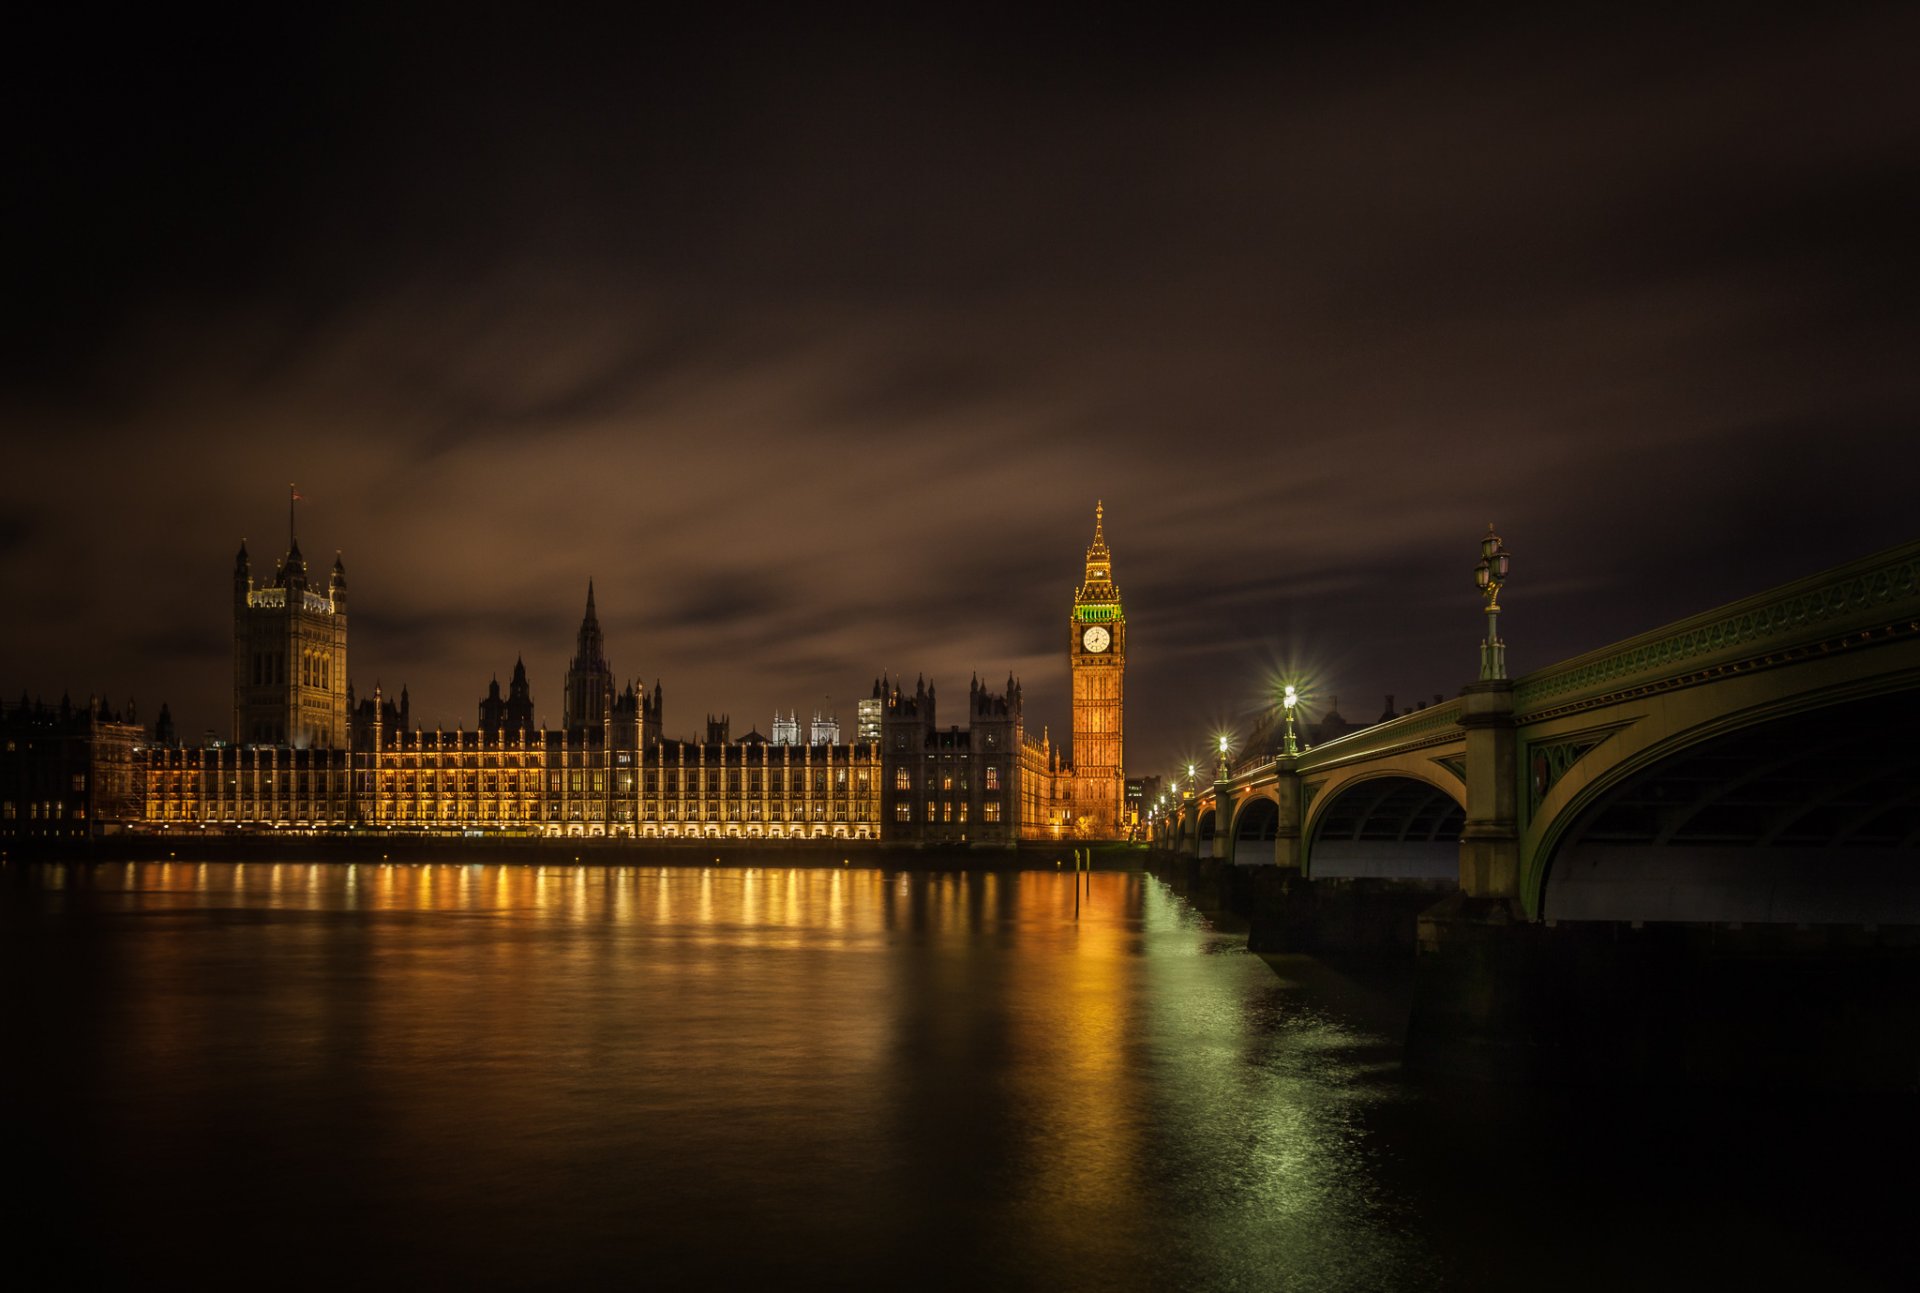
x=1812 y=819
x=1253 y=833
x=1390 y=828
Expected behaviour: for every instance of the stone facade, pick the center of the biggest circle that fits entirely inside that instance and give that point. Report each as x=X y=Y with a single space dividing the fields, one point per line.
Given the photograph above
x=289 y=655
x=1097 y=657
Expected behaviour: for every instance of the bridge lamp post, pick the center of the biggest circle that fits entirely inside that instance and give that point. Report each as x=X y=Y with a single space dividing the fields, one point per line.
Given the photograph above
x=1491 y=575
x=1291 y=699
x=1223 y=758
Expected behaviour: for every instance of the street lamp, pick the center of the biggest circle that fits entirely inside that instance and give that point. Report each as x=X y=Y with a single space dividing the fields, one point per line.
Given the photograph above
x=1491 y=575
x=1291 y=699
x=1223 y=757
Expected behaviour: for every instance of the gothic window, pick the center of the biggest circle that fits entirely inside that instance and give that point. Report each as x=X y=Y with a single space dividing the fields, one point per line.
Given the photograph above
x=993 y=777
x=903 y=812
x=992 y=810
x=902 y=779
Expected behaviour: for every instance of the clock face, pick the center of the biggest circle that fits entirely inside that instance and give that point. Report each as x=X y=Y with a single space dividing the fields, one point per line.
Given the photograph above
x=1096 y=638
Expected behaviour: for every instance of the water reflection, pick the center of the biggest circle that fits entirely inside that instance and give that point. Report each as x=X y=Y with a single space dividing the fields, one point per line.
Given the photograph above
x=840 y=1075
x=386 y=1073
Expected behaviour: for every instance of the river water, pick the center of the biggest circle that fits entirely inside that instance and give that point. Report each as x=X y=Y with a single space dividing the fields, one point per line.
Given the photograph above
x=303 y=1075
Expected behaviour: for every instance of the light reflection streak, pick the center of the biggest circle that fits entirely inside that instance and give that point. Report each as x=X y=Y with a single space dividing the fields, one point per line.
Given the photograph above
x=850 y=1014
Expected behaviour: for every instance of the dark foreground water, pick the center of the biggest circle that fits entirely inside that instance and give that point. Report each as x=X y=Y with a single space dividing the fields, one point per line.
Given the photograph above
x=442 y=1076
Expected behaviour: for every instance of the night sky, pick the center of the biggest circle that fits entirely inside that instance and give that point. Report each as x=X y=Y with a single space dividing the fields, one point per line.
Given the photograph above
x=814 y=346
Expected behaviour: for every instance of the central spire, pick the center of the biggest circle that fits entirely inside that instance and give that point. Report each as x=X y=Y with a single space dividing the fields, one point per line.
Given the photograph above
x=1099 y=576
x=588 y=695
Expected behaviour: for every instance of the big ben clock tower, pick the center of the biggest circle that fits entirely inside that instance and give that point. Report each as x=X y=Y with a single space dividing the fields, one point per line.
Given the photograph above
x=1097 y=655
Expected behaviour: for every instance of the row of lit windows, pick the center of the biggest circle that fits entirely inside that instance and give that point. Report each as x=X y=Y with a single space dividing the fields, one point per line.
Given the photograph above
x=42 y=810
x=316 y=669
x=945 y=811
x=903 y=779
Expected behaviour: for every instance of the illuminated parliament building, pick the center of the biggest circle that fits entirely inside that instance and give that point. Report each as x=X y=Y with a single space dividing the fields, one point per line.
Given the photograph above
x=304 y=757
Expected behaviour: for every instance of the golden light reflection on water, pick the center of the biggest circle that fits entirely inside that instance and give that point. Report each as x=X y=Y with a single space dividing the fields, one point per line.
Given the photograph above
x=855 y=1060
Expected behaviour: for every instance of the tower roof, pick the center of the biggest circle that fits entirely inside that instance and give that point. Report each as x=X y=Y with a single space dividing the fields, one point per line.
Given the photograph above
x=1098 y=548
x=1099 y=585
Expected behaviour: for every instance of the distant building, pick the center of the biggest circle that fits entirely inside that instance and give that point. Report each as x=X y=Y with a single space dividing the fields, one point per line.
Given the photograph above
x=786 y=731
x=825 y=729
x=1141 y=793
x=68 y=773
x=867 y=725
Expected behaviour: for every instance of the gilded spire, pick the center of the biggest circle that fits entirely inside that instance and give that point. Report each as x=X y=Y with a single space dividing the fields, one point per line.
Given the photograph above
x=1099 y=573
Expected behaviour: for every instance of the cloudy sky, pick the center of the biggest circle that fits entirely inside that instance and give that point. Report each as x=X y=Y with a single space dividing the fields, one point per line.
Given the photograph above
x=813 y=346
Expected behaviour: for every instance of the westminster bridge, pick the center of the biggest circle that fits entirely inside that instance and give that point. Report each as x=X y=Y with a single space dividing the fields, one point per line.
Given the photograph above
x=1747 y=779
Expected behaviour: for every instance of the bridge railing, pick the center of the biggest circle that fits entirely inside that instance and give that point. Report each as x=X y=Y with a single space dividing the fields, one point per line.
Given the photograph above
x=1809 y=610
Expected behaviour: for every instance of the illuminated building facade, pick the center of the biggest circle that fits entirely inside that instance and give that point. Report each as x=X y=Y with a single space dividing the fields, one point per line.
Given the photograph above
x=554 y=783
x=289 y=655
x=1097 y=656
x=608 y=771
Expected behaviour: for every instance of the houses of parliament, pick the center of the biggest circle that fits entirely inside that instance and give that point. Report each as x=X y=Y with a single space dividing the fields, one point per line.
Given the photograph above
x=307 y=756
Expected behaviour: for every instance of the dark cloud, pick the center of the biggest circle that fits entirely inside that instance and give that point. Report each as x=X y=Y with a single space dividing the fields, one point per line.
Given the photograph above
x=813 y=345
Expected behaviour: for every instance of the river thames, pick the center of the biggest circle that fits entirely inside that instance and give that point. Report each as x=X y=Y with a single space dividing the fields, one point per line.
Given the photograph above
x=443 y=1075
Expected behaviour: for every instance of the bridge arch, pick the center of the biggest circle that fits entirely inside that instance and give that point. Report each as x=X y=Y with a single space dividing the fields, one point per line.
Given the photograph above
x=1256 y=828
x=1401 y=821
x=1804 y=809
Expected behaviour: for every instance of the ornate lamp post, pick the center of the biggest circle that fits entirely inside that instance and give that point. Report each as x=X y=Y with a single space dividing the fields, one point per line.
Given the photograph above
x=1491 y=575
x=1291 y=699
x=1223 y=759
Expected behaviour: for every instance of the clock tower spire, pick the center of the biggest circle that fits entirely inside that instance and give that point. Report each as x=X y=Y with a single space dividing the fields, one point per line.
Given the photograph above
x=1097 y=658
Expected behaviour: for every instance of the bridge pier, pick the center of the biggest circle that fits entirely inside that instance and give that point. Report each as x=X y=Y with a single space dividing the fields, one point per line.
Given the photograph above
x=1498 y=997
x=1490 y=839
x=1286 y=912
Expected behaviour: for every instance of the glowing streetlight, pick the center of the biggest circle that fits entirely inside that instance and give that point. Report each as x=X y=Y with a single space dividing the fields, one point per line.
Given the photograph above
x=1490 y=575
x=1291 y=699
x=1223 y=756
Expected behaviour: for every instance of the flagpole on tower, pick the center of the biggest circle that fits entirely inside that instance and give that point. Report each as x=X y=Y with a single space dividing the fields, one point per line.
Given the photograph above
x=293 y=496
